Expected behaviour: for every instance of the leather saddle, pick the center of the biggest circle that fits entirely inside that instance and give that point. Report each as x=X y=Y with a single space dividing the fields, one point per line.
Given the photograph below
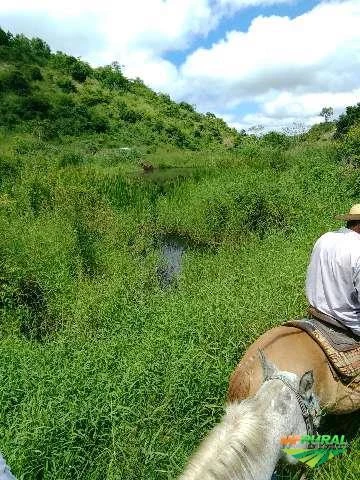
x=340 y=345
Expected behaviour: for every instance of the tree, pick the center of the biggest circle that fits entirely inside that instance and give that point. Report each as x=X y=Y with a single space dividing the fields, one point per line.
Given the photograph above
x=5 y=38
x=256 y=129
x=327 y=113
x=346 y=120
x=111 y=76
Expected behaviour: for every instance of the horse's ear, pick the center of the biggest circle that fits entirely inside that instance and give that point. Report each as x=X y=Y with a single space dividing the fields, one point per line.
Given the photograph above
x=306 y=383
x=268 y=367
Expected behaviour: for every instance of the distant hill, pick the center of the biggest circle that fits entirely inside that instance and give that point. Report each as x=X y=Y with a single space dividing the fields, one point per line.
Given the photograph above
x=55 y=94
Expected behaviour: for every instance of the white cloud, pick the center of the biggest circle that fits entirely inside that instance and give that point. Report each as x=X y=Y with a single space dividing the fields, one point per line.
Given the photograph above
x=290 y=67
x=287 y=103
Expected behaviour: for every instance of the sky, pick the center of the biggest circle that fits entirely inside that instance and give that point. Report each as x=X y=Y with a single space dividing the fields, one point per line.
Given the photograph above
x=252 y=62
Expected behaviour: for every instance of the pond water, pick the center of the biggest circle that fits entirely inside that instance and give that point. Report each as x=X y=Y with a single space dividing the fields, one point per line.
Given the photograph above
x=172 y=249
x=162 y=175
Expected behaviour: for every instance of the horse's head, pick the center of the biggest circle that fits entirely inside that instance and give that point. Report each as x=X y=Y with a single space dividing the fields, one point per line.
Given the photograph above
x=295 y=397
x=246 y=444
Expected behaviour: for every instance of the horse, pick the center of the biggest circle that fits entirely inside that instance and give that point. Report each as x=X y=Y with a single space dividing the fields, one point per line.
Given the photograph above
x=238 y=448
x=245 y=445
x=292 y=349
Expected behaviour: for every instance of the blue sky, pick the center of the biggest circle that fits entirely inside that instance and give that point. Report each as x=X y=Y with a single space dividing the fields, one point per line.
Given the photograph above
x=241 y=20
x=252 y=62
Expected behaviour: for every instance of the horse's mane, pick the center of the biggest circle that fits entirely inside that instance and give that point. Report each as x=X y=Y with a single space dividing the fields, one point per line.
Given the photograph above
x=232 y=448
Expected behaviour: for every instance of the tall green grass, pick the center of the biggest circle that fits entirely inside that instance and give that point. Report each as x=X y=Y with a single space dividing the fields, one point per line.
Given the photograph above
x=104 y=374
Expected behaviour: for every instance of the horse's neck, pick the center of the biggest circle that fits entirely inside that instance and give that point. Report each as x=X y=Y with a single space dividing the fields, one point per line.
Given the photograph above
x=244 y=446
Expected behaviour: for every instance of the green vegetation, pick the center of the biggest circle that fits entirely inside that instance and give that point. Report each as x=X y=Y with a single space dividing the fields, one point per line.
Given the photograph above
x=104 y=374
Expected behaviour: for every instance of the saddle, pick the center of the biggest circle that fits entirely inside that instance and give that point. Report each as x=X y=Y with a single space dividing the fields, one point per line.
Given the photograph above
x=340 y=345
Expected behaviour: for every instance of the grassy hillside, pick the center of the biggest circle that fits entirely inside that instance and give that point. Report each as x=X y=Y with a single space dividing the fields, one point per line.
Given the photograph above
x=104 y=373
x=54 y=95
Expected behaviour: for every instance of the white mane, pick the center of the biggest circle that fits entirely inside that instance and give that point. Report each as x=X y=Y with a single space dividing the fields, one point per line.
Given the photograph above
x=245 y=445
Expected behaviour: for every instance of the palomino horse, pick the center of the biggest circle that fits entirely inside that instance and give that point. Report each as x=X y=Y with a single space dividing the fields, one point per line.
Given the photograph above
x=239 y=447
x=293 y=350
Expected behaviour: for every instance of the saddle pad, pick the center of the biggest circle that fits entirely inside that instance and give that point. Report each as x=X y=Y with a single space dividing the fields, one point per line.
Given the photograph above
x=343 y=351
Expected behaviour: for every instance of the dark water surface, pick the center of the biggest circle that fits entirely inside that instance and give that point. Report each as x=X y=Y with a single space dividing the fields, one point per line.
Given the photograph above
x=162 y=175
x=172 y=248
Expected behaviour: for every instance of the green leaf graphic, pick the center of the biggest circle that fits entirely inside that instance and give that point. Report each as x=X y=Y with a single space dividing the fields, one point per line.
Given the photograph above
x=313 y=457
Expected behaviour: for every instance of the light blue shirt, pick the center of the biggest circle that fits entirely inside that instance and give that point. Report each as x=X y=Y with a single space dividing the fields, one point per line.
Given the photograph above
x=333 y=277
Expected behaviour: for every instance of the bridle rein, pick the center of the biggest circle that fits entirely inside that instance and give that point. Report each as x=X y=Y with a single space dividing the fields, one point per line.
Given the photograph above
x=307 y=406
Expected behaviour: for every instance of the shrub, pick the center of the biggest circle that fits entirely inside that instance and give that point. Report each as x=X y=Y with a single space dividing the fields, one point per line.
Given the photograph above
x=14 y=81
x=264 y=210
x=347 y=119
x=127 y=114
x=35 y=106
x=9 y=169
x=276 y=139
x=40 y=196
x=112 y=77
x=66 y=85
x=320 y=131
x=78 y=69
x=5 y=38
x=187 y=106
x=34 y=73
x=98 y=122
x=71 y=159
x=24 y=146
x=349 y=148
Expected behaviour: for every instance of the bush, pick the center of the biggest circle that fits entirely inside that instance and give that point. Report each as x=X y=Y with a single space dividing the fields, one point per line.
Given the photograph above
x=98 y=122
x=35 y=106
x=262 y=211
x=187 y=106
x=14 y=81
x=66 y=85
x=111 y=77
x=71 y=159
x=5 y=38
x=349 y=149
x=9 y=169
x=276 y=139
x=346 y=120
x=34 y=73
x=127 y=114
x=35 y=322
x=320 y=131
x=24 y=146
x=40 y=196
x=43 y=129
x=78 y=69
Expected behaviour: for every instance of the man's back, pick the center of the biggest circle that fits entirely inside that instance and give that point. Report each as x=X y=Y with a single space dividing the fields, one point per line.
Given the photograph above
x=333 y=277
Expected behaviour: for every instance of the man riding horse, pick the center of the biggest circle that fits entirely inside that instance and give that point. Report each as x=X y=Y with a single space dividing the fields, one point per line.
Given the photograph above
x=328 y=341
x=324 y=349
x=333 y=276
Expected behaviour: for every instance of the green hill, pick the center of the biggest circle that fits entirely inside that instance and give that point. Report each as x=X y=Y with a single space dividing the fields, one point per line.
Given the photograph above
x=55 y=94
x=105 y=372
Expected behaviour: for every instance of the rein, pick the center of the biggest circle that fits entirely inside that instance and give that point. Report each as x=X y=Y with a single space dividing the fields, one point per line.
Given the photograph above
x=304 y=405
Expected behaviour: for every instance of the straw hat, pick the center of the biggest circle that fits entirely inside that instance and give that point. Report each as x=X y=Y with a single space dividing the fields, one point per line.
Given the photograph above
x=354 y=213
